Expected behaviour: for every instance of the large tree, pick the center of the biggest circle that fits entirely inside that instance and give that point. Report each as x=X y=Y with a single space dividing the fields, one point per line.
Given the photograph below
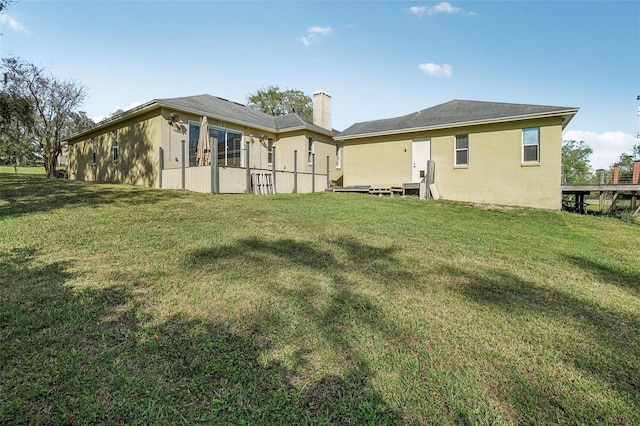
x=625 y=166
x=4 y=4
x=53 y=100
x=576 y=163
x=276 y=102
x=16 y=123
x=78 y=122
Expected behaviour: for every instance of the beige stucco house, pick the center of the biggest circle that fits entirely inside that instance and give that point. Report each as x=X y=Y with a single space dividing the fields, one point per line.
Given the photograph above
x=160 y=144
x=481 y=152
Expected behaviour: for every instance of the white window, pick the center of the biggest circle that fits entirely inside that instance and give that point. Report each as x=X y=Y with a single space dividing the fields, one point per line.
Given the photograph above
x=461 y=151
x=310 y=144
x=194 y=136
x=230 y=146
x=338 y=156
x=531 y=145
x=270 y=151
x=93 y=151
x=114 y=147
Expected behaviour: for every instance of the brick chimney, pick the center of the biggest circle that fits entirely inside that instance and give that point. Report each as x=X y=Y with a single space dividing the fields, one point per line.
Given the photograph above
x=322 y=109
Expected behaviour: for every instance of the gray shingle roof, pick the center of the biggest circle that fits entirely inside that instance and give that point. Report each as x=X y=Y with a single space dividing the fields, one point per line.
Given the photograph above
x=451 y=114
x=220 y=109
x=223 y=109
x=294 y=120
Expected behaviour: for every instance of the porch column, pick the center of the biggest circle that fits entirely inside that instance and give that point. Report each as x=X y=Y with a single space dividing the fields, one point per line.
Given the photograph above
x=273 y=167
x=313 y=172
x=295 y=171
x=328 y=179
x=246 y=162
x=160 y=167
x=215 y=171
x=183 y=165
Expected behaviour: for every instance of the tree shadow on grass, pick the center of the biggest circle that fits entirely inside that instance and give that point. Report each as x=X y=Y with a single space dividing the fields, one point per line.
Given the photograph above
x=615 y=332
x=25 y=194
x=94 y=355
x=344 y=254
x=625 y=278
x=338 y=313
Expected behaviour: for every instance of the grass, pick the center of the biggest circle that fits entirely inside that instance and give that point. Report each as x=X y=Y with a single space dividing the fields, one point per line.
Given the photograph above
x=23 y=170
x=121 y=304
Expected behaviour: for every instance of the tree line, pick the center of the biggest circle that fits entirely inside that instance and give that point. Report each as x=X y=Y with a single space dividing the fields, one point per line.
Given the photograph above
x=38 y=111
x=577 y=166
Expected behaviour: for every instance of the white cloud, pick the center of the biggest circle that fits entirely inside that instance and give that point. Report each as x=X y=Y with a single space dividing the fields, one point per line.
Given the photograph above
x=417 y=10
x=13 y=24
x=436 y=70
x=443 y=7
x=315 y=34
x=320 y=30
x=606 y=147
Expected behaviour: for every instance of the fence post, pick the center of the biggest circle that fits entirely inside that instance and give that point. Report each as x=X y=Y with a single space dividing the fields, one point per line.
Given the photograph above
x=183 y=166
x=273 y=167
x=313 y=172
x=634 y=180
x=213 y=164
x=616 y=174
x=601 y=176
x=246 y=160
x=427 y=180
x=328 y=179
x=160 y=167
x=295 y=171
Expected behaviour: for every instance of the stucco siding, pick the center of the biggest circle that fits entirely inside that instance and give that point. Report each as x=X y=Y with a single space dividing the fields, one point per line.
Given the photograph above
x=495 y=173
x=379 y=161
x=138 y=146
x=324 y=147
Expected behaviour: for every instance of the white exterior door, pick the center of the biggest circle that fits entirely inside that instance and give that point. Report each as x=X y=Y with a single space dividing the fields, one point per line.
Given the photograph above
x=421 y=153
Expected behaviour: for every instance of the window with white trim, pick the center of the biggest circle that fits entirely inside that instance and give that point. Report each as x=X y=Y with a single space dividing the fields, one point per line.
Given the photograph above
x=230 y=146
x=270 y=151
x=310 y=146
x=338 y=156
x=114 y=147
x=194 y=137
x=93 y=151
x=461 y=150
x=531 y=145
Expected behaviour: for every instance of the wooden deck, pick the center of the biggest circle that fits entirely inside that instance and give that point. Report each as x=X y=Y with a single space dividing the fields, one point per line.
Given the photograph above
x=620 y=187
x=381 y=190
x=580 y=191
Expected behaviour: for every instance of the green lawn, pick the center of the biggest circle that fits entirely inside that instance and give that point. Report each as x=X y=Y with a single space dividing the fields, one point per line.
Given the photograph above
x=126 y=305
x=23 y=170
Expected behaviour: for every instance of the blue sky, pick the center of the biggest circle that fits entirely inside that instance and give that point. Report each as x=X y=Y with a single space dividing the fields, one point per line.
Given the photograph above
x=377 y=59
